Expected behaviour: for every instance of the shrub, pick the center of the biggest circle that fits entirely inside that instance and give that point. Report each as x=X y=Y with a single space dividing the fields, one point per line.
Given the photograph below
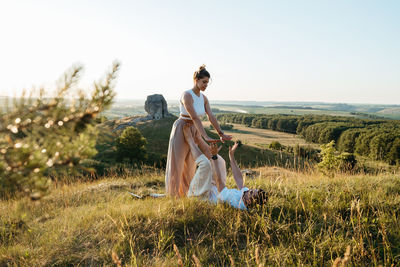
x=329 y=162
x=226 y=126
x=131 y=146
x=332 y=161
x=223 y=126
x=346 y=161
x=275 y=145
x=305 y=152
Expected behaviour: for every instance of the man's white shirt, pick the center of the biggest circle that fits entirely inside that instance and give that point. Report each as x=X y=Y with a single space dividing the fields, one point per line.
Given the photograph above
x=231 y=196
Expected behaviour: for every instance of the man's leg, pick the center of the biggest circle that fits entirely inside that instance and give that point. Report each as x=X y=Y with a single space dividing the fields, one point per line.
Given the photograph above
x=219 y=170
x=194 y=149
x=201 y=184
x=201 y=144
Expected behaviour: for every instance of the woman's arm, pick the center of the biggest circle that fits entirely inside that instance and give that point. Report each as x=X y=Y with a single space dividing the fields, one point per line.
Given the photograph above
x=187 y=101
x=214 y=121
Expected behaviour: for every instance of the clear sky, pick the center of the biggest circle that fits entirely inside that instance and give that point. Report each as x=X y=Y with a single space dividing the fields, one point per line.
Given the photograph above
x=331 y=51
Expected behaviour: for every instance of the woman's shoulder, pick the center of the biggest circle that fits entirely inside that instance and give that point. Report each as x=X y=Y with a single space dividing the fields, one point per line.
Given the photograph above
x=187 y=93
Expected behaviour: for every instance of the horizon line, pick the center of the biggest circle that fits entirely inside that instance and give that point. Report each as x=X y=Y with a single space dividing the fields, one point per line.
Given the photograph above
x=255 y=101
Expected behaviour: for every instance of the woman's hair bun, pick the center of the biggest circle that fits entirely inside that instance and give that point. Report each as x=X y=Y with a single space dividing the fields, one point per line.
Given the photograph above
x=201 y=73
x=202 y=67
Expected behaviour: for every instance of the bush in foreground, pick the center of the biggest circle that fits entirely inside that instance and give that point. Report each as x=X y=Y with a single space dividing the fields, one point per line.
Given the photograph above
x=42 y=134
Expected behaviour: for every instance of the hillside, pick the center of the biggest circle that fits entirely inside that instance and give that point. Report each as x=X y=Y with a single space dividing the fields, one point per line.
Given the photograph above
x=157 y=133
x=309 y=220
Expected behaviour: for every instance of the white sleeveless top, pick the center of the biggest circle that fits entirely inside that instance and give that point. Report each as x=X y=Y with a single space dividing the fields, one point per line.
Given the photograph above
x=198 y=104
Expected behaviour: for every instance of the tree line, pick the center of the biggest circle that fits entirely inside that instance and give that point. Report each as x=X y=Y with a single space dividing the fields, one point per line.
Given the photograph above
x=378 y=139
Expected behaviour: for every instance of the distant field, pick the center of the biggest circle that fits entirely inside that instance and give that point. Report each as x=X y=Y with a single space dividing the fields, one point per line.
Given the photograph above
x=119 y=110
x=279 y=110
x=130 y=107
x=262 y=137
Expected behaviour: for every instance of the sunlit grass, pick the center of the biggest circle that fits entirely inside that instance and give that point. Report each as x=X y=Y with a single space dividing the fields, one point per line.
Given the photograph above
x=310 y=219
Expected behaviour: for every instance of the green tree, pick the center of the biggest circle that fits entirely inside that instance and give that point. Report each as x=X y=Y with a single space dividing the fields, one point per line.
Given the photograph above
x=131 y=146
x=380 y=145
x=393 y=156
x=347 y=140
x=329 y=163
x=40 y=134
x=332 y=161
x=363 y=141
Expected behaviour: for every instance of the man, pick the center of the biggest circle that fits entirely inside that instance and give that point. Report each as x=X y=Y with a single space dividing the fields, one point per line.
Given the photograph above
x=209 y=181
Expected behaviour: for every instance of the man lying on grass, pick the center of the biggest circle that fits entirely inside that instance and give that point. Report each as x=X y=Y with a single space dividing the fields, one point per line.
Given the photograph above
x=210 y=178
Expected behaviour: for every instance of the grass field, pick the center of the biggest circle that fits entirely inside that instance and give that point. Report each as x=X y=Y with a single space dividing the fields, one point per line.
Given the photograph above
x=262 y=137
x=274 y=110
x=310 y=220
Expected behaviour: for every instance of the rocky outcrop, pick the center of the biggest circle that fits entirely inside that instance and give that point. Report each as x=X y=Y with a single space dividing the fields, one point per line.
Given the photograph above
x=156 y=106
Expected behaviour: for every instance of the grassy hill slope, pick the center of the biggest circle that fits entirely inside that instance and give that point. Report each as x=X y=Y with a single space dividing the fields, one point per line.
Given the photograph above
x=157 y=133
x=309 y=220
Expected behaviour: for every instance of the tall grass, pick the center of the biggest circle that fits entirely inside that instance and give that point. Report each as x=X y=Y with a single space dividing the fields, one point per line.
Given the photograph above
x=309 y=220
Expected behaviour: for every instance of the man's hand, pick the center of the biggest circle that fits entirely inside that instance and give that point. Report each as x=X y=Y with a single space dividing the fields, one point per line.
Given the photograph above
x=214 y=149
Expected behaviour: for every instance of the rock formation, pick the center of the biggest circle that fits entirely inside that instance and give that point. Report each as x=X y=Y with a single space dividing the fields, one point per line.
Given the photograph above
x=156 y=106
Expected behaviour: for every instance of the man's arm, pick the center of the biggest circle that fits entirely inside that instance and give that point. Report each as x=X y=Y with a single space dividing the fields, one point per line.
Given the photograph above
x=237 y=174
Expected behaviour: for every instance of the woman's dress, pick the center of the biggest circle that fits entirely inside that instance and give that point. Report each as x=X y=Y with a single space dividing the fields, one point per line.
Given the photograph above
x=181 y=165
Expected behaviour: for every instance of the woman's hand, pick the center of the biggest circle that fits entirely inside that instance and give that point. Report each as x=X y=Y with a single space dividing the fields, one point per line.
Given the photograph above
x=211 y=140
x=225 y=137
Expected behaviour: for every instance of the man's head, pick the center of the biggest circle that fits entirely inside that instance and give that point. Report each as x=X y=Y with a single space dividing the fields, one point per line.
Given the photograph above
x=254 y=197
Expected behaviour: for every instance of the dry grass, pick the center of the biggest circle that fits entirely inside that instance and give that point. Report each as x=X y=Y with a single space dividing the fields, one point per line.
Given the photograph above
x=261 y=138
x=309 y=220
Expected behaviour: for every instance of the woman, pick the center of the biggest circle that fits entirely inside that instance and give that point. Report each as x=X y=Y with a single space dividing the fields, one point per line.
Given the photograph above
x=180 y=164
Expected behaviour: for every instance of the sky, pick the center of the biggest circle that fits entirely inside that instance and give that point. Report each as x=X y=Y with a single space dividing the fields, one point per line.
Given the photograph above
x=344 y=51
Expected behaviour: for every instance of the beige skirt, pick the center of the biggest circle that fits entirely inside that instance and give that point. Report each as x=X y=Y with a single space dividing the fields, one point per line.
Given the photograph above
x=181 y=165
